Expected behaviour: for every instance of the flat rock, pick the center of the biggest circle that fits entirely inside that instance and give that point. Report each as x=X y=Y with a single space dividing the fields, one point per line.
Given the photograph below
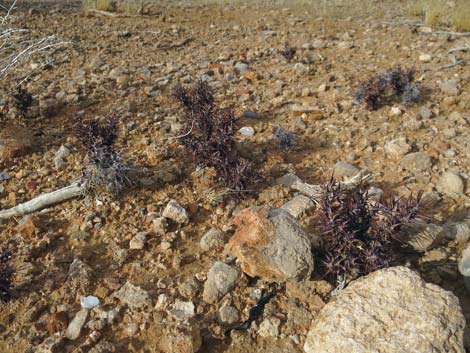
x=418 y=161
x=344 y=169
x=271 y=244
x=425 y=58
x=389 y=311
x=138 y=241
x=298 y=205
x=134 y=296
x=427 y=237
x=221 y=279
x=228 y=315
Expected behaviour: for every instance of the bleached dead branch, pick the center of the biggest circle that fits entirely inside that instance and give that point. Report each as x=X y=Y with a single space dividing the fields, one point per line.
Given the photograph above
x=18 y=46
x=43 y=201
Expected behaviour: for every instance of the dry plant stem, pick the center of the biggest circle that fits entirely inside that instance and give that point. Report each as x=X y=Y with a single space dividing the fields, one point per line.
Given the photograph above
x=43 y=201
x=315 y=191
x=445 y=33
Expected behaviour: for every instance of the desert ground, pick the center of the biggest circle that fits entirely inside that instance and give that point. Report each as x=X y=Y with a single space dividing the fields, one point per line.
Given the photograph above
x=129 y=66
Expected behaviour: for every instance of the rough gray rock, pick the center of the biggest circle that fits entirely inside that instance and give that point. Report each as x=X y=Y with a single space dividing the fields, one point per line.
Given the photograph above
x=344 y=169
x=450 y=183
x=160 y=225
x=220 y=280
x=134 y=296
x=418 y=161
x=464 y=267
x=271 y=244
x=389 y=311
x=458 y=231
x=214 y=238
x=176 y=213
x=427 y=237
x=269 y=327
x=228 y=315
x=298 y=205
x=75 y=326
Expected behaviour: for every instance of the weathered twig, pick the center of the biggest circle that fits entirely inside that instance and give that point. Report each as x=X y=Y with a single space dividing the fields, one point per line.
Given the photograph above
x=43 y=201
x=176 y=45
x=315 y=191
x=445 y=33
x=466 y=47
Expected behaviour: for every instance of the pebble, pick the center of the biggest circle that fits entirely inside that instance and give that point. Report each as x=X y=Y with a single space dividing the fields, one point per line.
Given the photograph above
x=425 y=113
x=212 y=239
x=247 y=131
x=241 y=68
x=228 y=315
x=4 y=176
x=175 y=212
x=425 y=58
x=298 y=205
x=345 y=45
x=183 y=310
x=160 y=225
x=138 y=241
x=450 y=88
x=221 y=279
x=397 y=147
x=450 y=183
x=395 y=111
x=301 y=69
x=269 y=327
x=134 y=296
x=75 y=326
x=251 y=115
x=89 y=302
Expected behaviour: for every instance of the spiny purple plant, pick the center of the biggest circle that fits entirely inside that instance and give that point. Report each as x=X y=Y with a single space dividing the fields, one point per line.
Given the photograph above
x=381 y=88
x=105 y=171
x=286 y=138
x=360 y=237
x=6 y=275
x=208 y=133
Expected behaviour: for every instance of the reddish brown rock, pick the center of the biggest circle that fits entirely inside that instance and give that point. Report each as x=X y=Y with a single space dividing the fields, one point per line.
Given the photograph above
x=271 y=244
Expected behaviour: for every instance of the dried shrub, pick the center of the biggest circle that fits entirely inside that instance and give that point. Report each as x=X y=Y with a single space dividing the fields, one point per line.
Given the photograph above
x=6 y=275
x=285 y=138
x=208 y=133
x=382 y=88
x=359 y=236
x=105 y=171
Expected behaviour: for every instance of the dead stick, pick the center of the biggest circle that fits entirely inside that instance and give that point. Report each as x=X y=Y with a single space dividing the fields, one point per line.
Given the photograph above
x=43 y=201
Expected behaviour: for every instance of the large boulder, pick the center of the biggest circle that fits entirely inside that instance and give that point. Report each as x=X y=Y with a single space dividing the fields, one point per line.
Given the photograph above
x=389 y=311
x=271 y=244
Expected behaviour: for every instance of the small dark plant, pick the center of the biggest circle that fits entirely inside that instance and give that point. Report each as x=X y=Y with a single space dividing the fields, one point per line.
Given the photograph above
x=361 y=237
x=105 y=171
x=285 y=138
x=208 y=133
x=288 y=53
x=381 y=88
x=22 y=100
x=6 y=275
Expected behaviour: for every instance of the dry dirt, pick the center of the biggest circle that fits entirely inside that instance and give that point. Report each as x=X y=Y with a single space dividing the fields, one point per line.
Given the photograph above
x=178 y=44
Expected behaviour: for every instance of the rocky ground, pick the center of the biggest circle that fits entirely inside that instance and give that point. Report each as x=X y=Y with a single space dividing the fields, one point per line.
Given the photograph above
x=164 y=271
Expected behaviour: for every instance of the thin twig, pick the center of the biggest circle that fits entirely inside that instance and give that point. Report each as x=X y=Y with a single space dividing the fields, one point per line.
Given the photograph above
x=445 y=33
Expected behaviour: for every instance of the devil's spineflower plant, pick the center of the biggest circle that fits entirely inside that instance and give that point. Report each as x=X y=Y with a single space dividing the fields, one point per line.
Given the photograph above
x=208 y=134
x=361 y=236
x=382 y=88
x=105 y=170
